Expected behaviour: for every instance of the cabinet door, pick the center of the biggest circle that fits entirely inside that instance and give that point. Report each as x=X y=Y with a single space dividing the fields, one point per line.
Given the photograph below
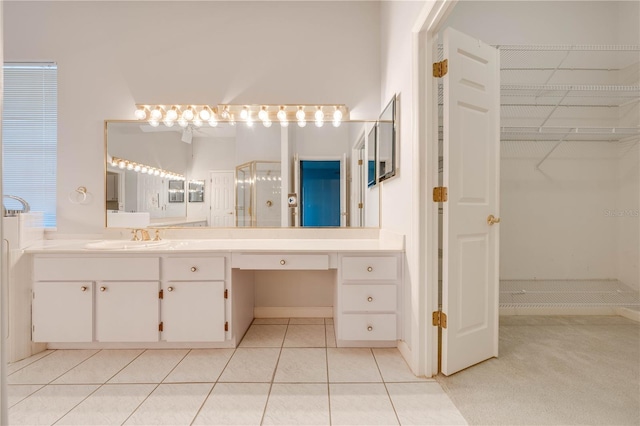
x=127 y=311
x=193 y=311
x=62 y=312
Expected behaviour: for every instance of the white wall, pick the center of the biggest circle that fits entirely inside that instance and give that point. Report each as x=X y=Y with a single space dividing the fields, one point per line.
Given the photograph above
x=112 y=55
x=625 y=215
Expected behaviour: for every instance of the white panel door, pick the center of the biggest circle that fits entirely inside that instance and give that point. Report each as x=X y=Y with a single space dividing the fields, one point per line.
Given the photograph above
x=127 y=311
x=222 y=196
x=471 y=173
x=62 y=311
x=193 y=311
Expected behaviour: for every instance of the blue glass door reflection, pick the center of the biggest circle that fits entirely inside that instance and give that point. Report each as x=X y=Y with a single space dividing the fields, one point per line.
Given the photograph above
x=319 y=193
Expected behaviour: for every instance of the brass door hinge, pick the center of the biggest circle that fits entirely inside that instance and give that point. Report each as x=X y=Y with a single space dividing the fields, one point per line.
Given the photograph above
x=360 y=205
x=226 y=293
x=440 y=68
x=161 y=326
x=359 y=162
x=161 y=294
x=226 y=326
x=440 y=194
x=439 y=319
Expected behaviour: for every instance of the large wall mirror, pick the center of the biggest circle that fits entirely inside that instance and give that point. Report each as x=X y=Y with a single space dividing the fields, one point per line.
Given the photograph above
x=237 y=176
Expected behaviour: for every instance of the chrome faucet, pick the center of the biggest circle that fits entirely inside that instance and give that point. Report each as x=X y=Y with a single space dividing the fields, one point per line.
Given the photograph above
x=25 y=205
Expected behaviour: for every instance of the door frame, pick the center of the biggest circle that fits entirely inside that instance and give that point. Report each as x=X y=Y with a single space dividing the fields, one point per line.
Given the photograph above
x=344 y=204
x=425 y=165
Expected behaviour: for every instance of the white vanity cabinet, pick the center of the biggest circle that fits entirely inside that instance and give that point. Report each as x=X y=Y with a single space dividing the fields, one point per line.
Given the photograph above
x=367 y=299
x=193 y=299
x=121 y=294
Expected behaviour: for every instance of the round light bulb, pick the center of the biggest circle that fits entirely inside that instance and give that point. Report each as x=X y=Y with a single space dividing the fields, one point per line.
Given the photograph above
x=154 y=123
x=319 y=123
x=188 y=114
x=232 y=120
x=205 y=113
x=137 y=168
x=282 y=114
x=213 y=122
x=225 y=113
x=150 y=171
x=302 y=123
x=319 y=115
x=337 y=115
x=144 y=169
x=197 y=122
x=249 y=122
x=141 y=113
x=168 y=123
x=114 y=163
x=336 y=123
x=266 y=123
x=172 y=114
x=284 y=124
x=162 y=174
x=156 y=172
x=156 y=114
x=263 y=114
x=129 y=166
x=183 y=122
x=244 y=114
x=121 y=164
x=300 y=114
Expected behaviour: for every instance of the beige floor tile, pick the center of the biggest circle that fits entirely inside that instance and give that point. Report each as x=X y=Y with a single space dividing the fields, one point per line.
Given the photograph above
x=50 y=367
x=200 y=365
x=273 y=321
x=16 y=393
x=150 y=367
x=171 y=404
x=305 y=336
x=352 y=365
x=302 y=365
x=331 y=336
x=234 y=404
x=361 y=404
x=264 y=336
x=297 y=404
x=100 y=367
x=424 y=404
x=251 y=365
x=307 y=321
x=393 y=367
x=15 y=366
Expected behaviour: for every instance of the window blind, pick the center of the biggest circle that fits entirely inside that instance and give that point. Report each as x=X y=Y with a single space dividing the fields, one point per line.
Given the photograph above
x=29 y=136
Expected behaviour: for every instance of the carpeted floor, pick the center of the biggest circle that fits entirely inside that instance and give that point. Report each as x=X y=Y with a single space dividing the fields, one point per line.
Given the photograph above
x=559 y=370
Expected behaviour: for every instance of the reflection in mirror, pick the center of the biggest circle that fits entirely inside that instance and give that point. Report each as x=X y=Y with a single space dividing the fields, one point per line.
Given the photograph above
x=234 y=175
x=386 y=139
x=372 y=176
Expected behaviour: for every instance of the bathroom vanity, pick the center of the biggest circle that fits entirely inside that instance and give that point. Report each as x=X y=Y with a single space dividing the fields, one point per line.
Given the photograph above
x=200 y=293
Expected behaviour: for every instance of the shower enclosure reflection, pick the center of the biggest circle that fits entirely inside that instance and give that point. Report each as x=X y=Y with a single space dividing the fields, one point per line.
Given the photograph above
x=258 y=189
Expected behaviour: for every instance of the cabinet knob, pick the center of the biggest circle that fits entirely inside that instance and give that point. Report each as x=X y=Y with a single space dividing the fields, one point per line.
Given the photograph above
x=170 y=289
x=83 y=288
x=103 y=289
x=282 y=262
x=369 y=328
x=369 y=269
x=369 y=299
x=194 y=269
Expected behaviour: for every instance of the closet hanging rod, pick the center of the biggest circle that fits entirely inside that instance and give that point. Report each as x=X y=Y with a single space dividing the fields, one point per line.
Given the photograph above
x=563 y=47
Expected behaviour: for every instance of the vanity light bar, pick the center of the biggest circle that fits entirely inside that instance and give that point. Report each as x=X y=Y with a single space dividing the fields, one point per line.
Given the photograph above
x=197 y=115
x=121 y=163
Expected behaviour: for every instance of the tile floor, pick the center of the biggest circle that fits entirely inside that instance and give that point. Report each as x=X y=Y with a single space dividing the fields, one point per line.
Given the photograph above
x=284 y=372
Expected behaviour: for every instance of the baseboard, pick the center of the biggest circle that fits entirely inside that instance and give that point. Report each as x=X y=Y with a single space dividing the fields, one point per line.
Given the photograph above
x=629 y=313
x=292 y=312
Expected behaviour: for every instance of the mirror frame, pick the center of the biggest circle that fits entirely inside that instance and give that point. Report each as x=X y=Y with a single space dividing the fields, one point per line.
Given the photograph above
x=380 y=142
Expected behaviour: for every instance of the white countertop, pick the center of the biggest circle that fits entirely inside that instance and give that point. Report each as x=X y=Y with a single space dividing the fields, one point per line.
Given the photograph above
x=224 y=245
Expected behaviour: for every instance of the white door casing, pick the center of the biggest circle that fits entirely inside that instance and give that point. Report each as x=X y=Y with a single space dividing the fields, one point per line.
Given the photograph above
x=222 y=196
x=344 y=213
x=471 y=173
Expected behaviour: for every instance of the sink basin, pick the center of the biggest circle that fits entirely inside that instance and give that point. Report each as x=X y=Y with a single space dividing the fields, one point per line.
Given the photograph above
x=124 y=244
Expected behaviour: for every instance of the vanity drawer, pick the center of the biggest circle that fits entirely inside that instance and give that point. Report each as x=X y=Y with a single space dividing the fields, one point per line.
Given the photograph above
x=366 y=298
x=282 y=261
x=193 y=268
x=370 y=268
x=96 y=269
x=368 y=327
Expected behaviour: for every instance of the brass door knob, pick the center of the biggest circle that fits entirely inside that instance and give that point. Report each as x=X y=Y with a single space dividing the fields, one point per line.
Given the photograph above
x=369 y=299
x=492 y=219
x=369 y=328
x=194 y=269
x=282 y=262
x=369 y=269
x=103 y=289
x=170 y=289
x=83 y=288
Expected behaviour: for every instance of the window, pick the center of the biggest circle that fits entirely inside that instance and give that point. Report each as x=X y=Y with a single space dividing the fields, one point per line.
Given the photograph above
x=29 y=136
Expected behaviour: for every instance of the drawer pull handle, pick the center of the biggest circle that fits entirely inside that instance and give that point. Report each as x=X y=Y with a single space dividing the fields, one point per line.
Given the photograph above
x=369 y=269
x=369 y=299
x=282 y=262
x=170 y=289
x=194 y=269
x=83 y=288
x=369 y=328
x=103 y=289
